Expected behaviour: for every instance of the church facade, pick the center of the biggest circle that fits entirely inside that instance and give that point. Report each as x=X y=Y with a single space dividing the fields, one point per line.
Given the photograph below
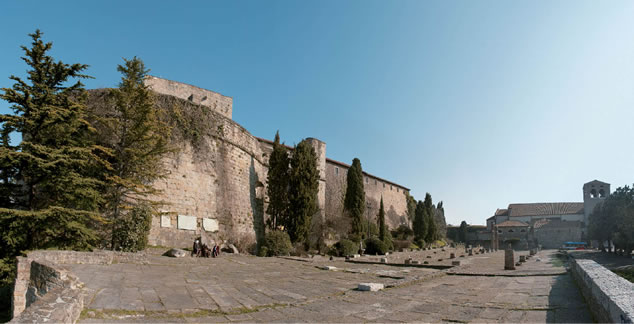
x=547 y=224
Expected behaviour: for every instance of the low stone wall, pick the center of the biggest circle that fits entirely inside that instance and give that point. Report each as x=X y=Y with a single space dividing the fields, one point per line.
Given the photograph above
x=611 y=298
x=46 y=292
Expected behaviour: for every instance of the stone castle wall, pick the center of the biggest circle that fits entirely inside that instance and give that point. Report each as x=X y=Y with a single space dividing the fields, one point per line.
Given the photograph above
x=219 y=192
x=394 y=197
x=216 y=181
x=219 y=103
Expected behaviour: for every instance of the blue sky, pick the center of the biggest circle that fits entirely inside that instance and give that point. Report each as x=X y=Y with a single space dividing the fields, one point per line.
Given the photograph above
x=480 y=103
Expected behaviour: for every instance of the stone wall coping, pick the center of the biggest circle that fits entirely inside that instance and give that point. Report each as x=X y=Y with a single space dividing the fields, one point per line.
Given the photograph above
x=44 y=291
x=610 y=296
x=54 y=295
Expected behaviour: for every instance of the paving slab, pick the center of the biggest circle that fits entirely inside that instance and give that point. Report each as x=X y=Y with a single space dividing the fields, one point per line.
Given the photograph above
x=250 y=289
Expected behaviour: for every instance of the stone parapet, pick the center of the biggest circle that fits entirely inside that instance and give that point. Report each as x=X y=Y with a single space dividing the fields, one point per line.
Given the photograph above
x=610 y=296
x=46 y=292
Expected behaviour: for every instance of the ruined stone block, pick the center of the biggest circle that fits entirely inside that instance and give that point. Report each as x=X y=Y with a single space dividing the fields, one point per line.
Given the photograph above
x=370 y=286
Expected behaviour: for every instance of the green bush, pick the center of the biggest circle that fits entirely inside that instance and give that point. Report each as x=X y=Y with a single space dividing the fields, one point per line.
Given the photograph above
x=440 y=243
x=420 y=242
x=414 y=246
x=402 y=232
x=276 y=243
x=346 y=247
x=356 y=238
x=132 y=230
x=389 y=242
x=375 y=246
x=401 y=244
x=374 y=230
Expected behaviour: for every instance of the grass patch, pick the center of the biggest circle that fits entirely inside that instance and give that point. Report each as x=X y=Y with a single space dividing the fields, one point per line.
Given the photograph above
x=559 y=260
x=121 y=313
x=626 y=273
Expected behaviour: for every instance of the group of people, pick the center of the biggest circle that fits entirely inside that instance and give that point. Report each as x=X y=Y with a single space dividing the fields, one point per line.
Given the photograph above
x=202 y=250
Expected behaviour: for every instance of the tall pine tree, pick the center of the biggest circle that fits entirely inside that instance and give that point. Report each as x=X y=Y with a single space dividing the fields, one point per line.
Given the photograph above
x=277 y=189
x=50 y=179
x=133 y=130
x=302 y=193
x=382 y=228
x=354 y=201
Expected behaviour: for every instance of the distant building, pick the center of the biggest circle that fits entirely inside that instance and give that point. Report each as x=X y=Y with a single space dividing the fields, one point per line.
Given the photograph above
x=547 y=224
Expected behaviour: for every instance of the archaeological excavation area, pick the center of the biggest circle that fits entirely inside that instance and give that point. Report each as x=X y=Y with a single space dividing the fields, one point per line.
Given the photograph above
x=148 y=287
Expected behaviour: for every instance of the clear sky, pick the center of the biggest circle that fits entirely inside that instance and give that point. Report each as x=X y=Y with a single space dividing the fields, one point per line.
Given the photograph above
x=480 y=103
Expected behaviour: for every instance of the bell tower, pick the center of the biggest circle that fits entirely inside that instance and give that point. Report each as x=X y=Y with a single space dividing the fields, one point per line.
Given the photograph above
x=594 y=192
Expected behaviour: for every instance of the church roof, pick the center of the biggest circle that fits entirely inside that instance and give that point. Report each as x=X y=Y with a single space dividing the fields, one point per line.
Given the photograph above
x=555 y=223
x=501 y=212
x=544 y=209
x=512 y=223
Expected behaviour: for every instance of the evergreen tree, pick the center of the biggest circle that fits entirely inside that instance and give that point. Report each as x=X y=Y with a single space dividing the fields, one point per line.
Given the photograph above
x=354 y=202
x=462 y=232
x=138 y=139
x=50 y=180
x=302 y=193
x=277 y=189
x=420 y=226
x=430 y=235
x=411 y=209
x=382 y=228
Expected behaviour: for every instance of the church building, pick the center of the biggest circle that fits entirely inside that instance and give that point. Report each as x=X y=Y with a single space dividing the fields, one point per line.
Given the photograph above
x=548 y=224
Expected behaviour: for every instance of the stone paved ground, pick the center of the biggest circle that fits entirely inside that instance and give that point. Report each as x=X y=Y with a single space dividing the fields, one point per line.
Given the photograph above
x=250 y=289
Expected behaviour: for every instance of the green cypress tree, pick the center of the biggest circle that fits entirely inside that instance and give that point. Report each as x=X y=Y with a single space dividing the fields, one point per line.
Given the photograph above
x=411 y=209
x=354 y=201
x=51 y=178
x=382 y=228
x=420 y=227
x=430 y=235
x=302 y=193
x=133 y=130
x=277 y=189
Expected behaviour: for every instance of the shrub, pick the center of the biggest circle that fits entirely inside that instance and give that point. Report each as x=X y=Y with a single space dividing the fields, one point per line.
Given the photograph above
x=355 y=238
x=402 y=244
x=414 y=246
x=277 y=243
x=389 y=242
x=374 y=230
x=346 y=247
x=132 y=230
x=402 y=232
x=299 y=250
x=245 y=243
x=420 y=242
x=440 y=243
x=375 y=246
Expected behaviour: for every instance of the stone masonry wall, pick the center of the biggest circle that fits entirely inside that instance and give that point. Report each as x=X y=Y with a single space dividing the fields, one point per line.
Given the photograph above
x=219 y=103
x=394 y=199
x=224 y=187
x=216 y=181
x=608 y=295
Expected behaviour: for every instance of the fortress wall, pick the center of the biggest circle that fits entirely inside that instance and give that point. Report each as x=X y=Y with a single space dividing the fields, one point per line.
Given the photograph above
x=217 y=174
x=225 y=186
x=394 y=199
x=219 y=103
